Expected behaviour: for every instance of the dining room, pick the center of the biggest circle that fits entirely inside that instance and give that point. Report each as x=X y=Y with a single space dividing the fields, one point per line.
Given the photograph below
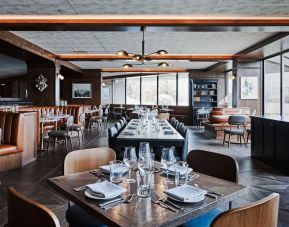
x=144 y=113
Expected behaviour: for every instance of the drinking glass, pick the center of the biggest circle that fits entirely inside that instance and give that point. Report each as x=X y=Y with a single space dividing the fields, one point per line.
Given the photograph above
x=143 y=184
x=181 y=172
x=116 y=171
x=129 y=158
x=145 y=163
x=144 y=149
x=167 y=160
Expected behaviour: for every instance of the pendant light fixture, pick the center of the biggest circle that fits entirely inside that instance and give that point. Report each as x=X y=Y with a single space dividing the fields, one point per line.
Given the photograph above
x=142 y=57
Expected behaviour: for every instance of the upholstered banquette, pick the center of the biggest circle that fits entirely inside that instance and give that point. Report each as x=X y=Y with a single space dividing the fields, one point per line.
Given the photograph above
x=18 y=144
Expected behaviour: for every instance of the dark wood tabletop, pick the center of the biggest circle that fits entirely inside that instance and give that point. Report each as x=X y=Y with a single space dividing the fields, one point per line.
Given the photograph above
x=141 y=211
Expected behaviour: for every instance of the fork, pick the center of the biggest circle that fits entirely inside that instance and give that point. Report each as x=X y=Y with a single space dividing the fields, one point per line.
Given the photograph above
x=167 y=201
x=162 y=204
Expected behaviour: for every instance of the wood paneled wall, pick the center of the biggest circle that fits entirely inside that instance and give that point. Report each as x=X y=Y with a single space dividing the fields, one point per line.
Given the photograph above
x=88 y=76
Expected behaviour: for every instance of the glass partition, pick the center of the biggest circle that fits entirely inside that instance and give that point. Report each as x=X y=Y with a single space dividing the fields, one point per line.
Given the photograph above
x=149 y=90
x=183 y=90
x=167 y=90
x=119 y=91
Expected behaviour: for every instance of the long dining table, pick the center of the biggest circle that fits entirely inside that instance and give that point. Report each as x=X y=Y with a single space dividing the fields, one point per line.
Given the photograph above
x=130 y=137
x=142 y=211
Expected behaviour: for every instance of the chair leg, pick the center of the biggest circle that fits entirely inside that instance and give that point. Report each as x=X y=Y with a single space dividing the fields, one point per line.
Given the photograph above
x=244 y=140
x=65 y=142
x=70 y=142
x=224 y=138
x=247 y=138
x=240 y=140
x=55 y=143
x=78 y=137
x=229 y=140
x=48 y=143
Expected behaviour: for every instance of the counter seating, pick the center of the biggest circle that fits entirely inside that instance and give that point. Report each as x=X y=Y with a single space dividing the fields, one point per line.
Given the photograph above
x=17 y=147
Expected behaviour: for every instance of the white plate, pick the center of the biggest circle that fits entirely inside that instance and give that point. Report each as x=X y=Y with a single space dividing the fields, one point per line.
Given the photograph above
x=195 y=200
x=172 y=172
x=87 y=194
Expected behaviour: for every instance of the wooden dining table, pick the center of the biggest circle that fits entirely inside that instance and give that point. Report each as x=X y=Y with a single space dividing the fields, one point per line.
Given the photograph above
x=142 y=211
x=149 y=134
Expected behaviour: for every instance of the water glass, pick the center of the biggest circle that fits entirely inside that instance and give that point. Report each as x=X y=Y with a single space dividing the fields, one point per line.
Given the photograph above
x=181 y=173
x=143 y=184
x=116 y=171
x=144 y=149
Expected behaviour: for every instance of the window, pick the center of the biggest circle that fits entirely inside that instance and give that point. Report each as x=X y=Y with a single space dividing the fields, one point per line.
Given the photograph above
x=167 y=89
x=229 y=89
x=106 y=92
x=119 y=91
x=285 y=83
x=133 y=90
x=272 y=86
x=149 y=90
x=183 y=90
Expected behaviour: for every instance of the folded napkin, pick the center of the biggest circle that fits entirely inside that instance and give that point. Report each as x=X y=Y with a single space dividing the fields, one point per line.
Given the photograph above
x=169 y=132
x=105 y=189
x=131 y=128
x=172 y=170
x=185 y=193
x=134 y=124
x=166 y=127
x=128 y=133
x=106 y=168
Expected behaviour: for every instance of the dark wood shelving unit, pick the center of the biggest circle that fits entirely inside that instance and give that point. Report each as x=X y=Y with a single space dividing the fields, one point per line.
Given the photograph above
x=204 y=95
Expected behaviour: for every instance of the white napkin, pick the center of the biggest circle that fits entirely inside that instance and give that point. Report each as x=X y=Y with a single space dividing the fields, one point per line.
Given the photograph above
x=105 y=189
x=172 y=170
x=106 y=168
x=185 y=193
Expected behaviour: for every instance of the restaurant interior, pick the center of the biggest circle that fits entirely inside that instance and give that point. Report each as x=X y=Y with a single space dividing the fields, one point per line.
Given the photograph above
x=144 y=113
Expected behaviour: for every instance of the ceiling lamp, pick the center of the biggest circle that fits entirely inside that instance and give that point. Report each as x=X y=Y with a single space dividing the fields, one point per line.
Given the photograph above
x=163 y=64
x=122 y=53
x=60 y=77
x=142 y=57
x=231 y=76
x=126 y=66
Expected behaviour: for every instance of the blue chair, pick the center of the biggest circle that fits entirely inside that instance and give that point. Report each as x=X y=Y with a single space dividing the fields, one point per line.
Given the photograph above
x=217 y=165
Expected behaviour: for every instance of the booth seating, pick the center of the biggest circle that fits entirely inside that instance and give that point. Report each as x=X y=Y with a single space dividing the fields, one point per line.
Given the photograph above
x=74 y=110
x=17 y=147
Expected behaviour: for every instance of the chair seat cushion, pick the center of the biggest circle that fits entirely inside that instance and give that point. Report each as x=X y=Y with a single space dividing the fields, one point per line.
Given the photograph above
x=77 y=128
x=77 y=217
x=6 y=149
x=235 y=131
x=204 y=220
x=59 y=133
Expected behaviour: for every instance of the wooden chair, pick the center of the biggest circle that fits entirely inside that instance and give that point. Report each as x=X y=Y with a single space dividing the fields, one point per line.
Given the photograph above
x=214 y=164
x=79 y=128
x=164 y=116
x=87 y=159
x=258 y=214
x=23 y=211
x=79 y=161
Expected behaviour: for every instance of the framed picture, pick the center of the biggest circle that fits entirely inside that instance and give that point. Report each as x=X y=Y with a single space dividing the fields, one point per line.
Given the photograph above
x=249 y=87
x=81 y=91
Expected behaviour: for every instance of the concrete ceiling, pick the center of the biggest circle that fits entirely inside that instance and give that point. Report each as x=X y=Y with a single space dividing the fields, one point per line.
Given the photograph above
x=132 y=7
x=10 y=67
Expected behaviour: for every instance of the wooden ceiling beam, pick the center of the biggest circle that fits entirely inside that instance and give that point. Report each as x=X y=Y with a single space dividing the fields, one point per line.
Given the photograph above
x=113 y=57
x=94 y=22
x=147 y=70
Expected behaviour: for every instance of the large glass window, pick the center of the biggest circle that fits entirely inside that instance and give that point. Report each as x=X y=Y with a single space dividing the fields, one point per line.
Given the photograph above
x=106 y=92
x=149 y=90
x=167 y=89
x=119 y=91
x=285 y=82
x=133 y=90
x=272 y=87
x=183 y=89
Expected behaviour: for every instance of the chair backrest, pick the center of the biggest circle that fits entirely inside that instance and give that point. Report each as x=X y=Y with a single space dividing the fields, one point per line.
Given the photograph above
x=164 y=116
x=121 y=122
x=176 y=124
x=183 y=130
x=69 y=121
x=82 y=118
x=124 y=120
x=172 y=120
x=238 y=120
x=23 y=211
x=118 y=126
x=258 y=214
x=87 y=159
x=181 y=124
x=214 y=164
x=112 y=131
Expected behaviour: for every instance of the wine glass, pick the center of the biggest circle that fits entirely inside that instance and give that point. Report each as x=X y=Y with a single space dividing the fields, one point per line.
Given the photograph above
x=145 y=163
x=144 y=149
x=168 y=159
x=129 y=158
